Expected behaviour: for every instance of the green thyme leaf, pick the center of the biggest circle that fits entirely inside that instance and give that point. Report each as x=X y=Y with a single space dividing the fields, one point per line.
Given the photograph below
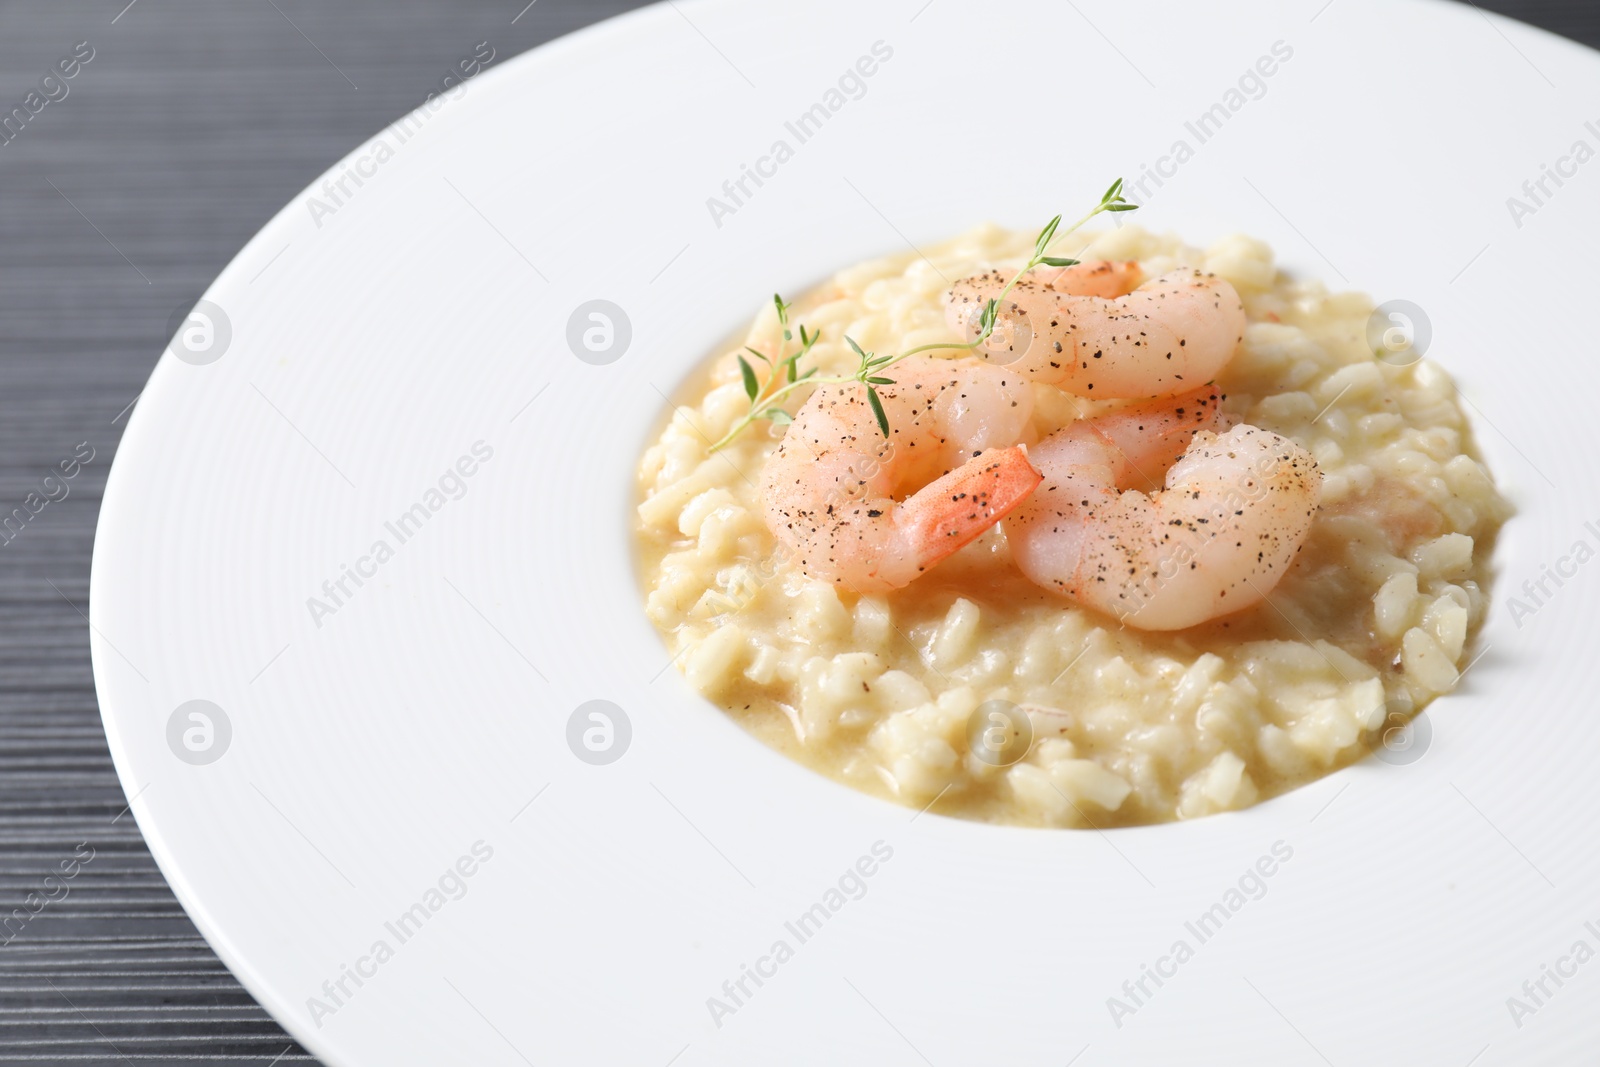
x=758 y=355
x=783 y=315
x=879 y=381
x=1122 y=207
x=877 y=410
x=1111 y=193
x=751 y=386
x=1058 y=261
x=1045 y=235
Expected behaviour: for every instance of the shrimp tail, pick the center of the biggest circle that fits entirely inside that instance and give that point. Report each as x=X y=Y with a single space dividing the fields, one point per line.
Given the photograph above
x=951 y=512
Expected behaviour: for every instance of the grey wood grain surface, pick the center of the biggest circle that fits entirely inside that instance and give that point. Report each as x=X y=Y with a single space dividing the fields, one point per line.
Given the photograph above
x=192 y=123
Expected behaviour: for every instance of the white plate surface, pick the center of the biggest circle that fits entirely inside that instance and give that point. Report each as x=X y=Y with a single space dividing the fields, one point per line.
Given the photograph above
x=373 y=747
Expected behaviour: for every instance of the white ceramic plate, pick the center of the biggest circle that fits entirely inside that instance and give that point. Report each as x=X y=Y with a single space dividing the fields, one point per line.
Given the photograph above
x=373 y=746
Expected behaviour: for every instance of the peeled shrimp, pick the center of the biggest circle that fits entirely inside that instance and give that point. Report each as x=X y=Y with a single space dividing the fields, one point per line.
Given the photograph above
x=832 y=491
x=1233 y=514
x=1108 y=278
x=1087 y=330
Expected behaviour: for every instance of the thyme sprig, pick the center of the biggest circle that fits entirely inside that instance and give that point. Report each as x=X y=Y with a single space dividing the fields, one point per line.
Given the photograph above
x=784 y=376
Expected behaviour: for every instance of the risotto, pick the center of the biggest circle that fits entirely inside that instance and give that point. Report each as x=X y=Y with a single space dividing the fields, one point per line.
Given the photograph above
x=899 y=693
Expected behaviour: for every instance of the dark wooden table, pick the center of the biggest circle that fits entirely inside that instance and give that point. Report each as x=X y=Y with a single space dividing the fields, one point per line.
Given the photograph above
x=192 y=123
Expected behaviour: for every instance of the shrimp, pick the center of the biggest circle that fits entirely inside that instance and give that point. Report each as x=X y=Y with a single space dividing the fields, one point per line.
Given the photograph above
x=831 y=493
x=1106 y=278
x=1087 y=330
x=1234 y=511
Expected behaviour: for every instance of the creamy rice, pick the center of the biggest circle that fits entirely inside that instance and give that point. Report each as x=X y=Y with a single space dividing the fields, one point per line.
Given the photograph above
x=1373 y=620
